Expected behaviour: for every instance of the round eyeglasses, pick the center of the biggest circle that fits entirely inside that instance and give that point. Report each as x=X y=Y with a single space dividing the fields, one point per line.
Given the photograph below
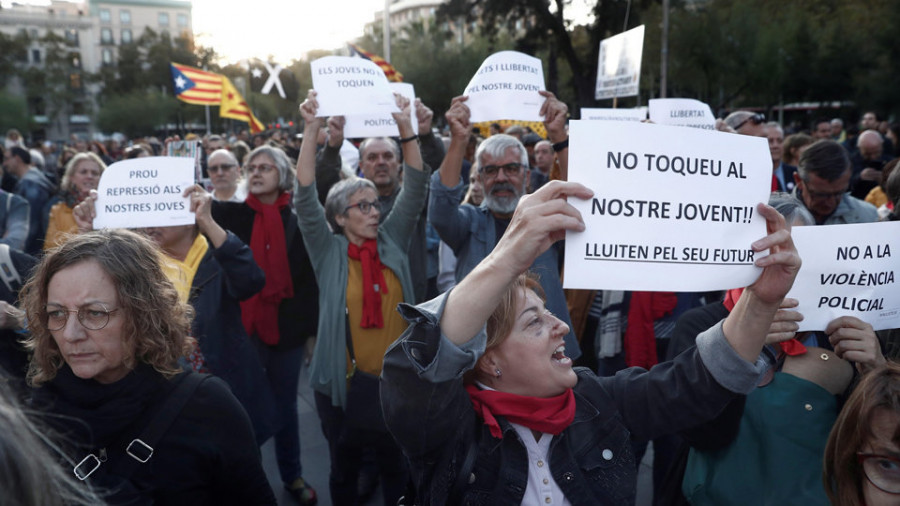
x=92 y=316
x=881 y=470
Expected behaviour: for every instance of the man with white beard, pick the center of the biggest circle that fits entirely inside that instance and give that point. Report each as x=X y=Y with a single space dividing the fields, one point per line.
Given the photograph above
x=502 y=163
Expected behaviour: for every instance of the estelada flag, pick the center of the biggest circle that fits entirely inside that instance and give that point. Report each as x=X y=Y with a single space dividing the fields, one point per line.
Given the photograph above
x=233 y=106
x=196 y=86
x=388 y=69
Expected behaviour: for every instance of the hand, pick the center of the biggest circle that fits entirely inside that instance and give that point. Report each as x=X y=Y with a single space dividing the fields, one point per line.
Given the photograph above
x=458 y=119
x=403 y=117
x=784 y=325
x=85 y=212
x=424 y=115
x=555 y=113
x=308 y=110
x=540 y=220
x=11 y=317
x=336 y=131
x=854 y=340
x=870 y=174
x=781 y=265
x=201 y=203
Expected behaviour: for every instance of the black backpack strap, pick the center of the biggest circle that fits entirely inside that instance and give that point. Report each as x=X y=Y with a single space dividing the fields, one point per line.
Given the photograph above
x=141 y=448
x=468 y=464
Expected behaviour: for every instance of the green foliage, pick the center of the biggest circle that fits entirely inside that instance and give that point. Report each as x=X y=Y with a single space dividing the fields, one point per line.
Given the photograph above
x=137 y=113
x=13 y=112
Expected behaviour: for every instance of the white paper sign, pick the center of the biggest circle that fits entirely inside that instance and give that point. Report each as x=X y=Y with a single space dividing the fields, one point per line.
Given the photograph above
x=382 y=125
x=674 y=209
x=145 y=192
x=848 y=270
x=599 y=114
x=682 y=112
x=619 y=64
x=506 y=86
x=347 y=85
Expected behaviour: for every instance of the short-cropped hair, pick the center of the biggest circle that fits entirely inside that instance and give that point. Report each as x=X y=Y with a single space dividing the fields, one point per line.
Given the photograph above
x=496 y=146
x=282 y=162
x=791 y=208
x=339 y=196
x=826 y=159
x=157 y=323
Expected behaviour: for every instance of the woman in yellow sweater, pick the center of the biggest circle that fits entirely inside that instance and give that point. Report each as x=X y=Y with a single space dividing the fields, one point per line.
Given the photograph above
x=82 y=175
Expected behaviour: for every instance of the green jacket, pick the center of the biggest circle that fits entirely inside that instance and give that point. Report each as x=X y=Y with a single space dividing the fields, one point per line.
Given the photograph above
x=328 y=254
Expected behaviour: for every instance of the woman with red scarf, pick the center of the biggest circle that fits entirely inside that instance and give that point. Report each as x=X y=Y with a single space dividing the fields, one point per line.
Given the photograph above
x=483 y=400
x=283 y=315
x=362 y=269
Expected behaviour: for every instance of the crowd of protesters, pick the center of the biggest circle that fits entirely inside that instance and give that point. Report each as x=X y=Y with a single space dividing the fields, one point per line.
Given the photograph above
x=305 y=245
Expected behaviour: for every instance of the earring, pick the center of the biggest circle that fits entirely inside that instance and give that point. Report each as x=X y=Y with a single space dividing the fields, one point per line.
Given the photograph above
x=498 y=373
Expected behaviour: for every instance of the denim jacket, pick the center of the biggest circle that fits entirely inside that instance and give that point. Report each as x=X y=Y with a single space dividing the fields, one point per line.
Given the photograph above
x=429 y=413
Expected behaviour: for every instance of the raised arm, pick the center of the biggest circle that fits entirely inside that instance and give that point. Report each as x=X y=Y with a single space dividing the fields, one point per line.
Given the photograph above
x=409 y=144
x=306 y=161
x=540 y=220
x=555 y=113
x=748 y=324
x=460 y=130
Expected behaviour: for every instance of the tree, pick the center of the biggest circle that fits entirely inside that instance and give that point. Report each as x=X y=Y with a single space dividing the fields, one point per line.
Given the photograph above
x=13 y=113
x=137 y=113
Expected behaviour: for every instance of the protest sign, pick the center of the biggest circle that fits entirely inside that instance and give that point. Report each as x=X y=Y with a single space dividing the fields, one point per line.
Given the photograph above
x=599 y=114
x=506 y=86
x=674 y=209
x=382 y=125
x=619 y=65
x=848 y=270
x=347 y=85
x=145 y=192
x=682 y=112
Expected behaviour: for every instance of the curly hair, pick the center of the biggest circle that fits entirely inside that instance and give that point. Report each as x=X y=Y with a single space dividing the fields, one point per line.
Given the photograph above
x=157 y=323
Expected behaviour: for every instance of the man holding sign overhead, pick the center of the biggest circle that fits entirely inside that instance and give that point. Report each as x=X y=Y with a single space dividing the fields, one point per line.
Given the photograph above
x=501 y=162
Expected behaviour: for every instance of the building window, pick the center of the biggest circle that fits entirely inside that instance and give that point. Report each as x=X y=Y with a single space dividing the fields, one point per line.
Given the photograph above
x=163 y=19
x=75 y=60
x=107 y=56
x=125 y=17
x=75 y=81
x=126 y=36
x=35 y=56
x=72 y=36
x=106 y=36
x=182 y=20
x=104 y=16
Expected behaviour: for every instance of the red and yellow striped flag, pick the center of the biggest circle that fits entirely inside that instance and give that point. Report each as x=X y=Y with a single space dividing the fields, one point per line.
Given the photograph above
x=235 y=107
x=392 y=74
x=196 y=86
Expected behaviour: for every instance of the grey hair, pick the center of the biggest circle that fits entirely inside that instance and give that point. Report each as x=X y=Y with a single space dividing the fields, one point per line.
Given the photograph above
x=738 y=117
x=282 y=162
x=338 y=197
x=496 y=146
x=826 y=159
x=365 y=144
x=73 y=164
x=775 y=124
x=792 y=209
x=30 y=474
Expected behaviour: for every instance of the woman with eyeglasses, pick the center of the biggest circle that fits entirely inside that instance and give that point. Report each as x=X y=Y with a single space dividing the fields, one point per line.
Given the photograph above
x=363 y=273
x=281 y=317
x=862 y=458
x=107 y=329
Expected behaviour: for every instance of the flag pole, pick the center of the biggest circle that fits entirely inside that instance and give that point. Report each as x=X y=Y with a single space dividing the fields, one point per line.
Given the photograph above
x=207 y=109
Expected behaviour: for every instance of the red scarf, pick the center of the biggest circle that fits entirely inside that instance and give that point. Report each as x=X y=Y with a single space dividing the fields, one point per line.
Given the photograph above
x=640 y=338
x=791 y=347
x=551 y=415
x=260 y=312
x=373 y=282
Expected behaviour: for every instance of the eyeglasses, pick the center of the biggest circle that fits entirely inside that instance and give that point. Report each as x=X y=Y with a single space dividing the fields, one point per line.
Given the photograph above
x=824 y=195
x=365 y=207
x=510 y=169
x=757 y=119
x=92 y=316
x=222 y=167
x=881 y=470
x=263 y=168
